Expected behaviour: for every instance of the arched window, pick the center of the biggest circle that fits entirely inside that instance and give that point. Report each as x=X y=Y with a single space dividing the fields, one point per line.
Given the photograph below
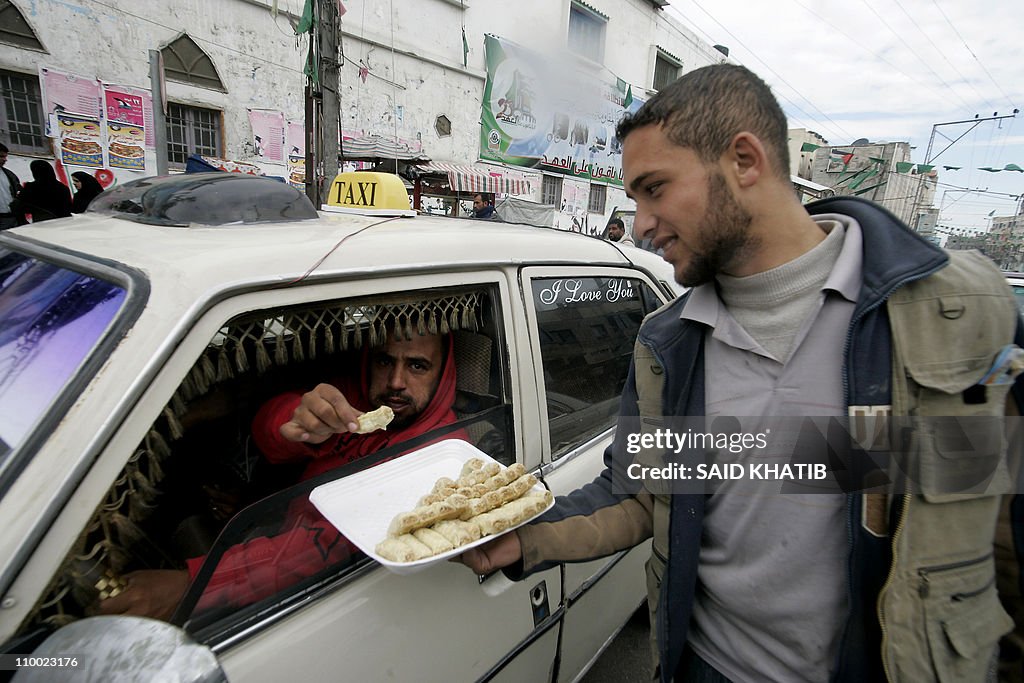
x=14 y=29
x=185 y=62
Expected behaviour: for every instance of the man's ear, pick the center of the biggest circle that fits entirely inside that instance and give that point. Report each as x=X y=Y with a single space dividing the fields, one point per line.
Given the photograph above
x=747 y=158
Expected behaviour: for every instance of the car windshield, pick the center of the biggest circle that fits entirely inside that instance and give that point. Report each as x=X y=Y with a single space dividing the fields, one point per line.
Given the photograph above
x=51 y=317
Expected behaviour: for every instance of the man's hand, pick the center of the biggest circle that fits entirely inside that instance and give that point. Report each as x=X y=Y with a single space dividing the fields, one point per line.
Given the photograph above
x=150 y=593
x=501 y=552
x=324 y=411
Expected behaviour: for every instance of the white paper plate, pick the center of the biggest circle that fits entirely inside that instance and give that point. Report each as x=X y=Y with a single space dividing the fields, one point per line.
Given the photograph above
x=362 y=505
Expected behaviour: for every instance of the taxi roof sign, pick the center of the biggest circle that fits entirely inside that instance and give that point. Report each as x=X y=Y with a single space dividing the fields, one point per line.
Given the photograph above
x=371 y=194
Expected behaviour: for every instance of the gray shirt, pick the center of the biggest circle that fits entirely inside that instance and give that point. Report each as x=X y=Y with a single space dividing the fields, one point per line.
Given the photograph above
x=771 y=596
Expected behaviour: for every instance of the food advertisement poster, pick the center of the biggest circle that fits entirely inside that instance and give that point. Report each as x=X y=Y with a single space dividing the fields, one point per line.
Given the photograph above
x=126 y=129
x=81 y=141
x=556 y=120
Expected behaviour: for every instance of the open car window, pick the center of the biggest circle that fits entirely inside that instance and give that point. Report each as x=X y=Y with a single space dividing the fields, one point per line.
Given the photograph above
x=197 y=492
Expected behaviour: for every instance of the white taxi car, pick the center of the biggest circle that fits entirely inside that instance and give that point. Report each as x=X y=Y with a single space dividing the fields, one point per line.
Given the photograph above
x=136 y=343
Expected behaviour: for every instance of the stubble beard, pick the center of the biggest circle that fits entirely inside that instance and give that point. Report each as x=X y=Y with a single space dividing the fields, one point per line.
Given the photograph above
x=725 y=238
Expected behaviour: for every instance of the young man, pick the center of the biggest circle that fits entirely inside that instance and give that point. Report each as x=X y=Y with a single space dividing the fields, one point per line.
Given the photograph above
x=9 y=188
x=838 y=313
x=617 y=232
x=414 y=377
x=482 y=209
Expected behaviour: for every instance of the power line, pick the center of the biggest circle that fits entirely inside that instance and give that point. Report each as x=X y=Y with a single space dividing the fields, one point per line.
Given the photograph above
x=967 y=47
x=914 y=52
x=941 y=53
x=773 y=71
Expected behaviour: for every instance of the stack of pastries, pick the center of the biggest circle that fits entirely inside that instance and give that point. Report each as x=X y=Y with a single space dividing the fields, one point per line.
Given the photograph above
x=486 y=499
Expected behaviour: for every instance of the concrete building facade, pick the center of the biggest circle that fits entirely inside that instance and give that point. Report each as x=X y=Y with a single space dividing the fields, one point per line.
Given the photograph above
x=883 y=173
x=410 y=71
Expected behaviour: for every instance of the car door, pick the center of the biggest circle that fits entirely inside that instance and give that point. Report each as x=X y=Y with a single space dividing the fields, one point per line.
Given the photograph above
x=169 y=466
x=583 y=322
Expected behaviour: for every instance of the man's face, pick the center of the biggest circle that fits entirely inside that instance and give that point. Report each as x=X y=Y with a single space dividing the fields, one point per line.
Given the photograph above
x=478 y=203
x=3 y=158
x=685 y=206
x=615 y=232
x=404 y=376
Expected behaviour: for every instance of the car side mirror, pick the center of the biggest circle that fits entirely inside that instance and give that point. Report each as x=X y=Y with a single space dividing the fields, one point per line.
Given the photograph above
x=120 y=648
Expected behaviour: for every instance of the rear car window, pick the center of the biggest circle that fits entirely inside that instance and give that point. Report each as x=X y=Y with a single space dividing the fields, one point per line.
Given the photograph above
x=51 y=318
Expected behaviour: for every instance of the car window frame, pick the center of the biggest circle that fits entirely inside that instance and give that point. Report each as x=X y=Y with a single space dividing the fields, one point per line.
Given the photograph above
x=526 y=278
x=136 y=287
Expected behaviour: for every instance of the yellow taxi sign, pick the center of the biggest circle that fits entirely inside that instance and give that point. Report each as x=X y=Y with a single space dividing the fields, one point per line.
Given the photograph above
x=374 y=194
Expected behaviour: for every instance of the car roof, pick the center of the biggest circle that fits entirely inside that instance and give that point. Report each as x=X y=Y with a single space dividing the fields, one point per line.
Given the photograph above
x=200 y=257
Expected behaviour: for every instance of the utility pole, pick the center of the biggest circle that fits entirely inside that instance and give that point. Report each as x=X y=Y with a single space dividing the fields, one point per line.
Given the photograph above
x=156 y=82
x=928 y=158
x=322 y=103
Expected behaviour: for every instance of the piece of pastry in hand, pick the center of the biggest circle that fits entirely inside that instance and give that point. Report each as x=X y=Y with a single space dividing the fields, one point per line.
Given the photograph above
x=374 y=420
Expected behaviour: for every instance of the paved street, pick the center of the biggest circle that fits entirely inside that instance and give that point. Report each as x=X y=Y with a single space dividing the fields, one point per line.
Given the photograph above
x=627 y=659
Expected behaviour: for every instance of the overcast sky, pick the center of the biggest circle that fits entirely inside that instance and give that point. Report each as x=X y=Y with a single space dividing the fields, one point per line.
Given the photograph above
x=888 y=70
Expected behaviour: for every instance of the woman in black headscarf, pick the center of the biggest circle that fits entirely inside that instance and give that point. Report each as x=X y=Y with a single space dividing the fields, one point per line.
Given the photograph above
x=86 y=189
x=45 y=197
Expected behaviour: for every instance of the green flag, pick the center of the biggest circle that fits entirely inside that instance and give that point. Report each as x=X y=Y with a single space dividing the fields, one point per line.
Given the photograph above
x=465 y=48
x=629 y=97
x=924 y=168
x=1013 y=167
x=990 y=169
x=952 y=168
x=904 y=166
x=307 y=20
x=808 y=147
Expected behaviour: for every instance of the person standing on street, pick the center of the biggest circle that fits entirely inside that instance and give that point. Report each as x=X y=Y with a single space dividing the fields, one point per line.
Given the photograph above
x=835 y=310
x=482 y=208
x=45 y=197
x=87 y=188
x=617 y=232
x=9 y=188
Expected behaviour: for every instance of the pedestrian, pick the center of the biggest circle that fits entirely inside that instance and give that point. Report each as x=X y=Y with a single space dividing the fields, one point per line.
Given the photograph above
x=44 y=197
x=483 y=209
x=833 y=310
x=9 y=188
x=86 y=189
x=617 y=232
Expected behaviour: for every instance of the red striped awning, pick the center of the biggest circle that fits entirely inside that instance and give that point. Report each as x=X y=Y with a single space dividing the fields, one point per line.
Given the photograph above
x=479 y=178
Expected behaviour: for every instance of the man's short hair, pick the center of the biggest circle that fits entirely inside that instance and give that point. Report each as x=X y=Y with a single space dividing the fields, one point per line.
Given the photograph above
x=704 y=110
x=616 y=221
x=3 y=148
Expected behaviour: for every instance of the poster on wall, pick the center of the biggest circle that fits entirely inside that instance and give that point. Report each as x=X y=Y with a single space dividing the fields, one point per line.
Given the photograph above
x=562 y=122
x=268 y=129
x=296 y=143
x=81 y=140
x=572 y=214
x=68 y=93
x=126 y=129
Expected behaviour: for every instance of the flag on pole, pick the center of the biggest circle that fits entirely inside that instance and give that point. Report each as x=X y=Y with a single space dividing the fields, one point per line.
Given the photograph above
x=808 y=147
